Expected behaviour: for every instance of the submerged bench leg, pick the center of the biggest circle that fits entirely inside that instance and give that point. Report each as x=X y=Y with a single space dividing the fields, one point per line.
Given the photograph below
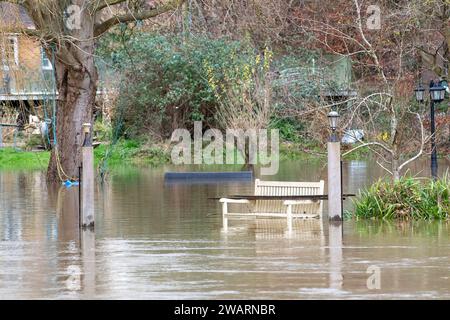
x=224 y=216
x=289 y=217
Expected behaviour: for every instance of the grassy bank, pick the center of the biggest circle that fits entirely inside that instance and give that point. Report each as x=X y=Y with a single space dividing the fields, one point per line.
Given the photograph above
x=134 y=152
x=125 y=152
x=12 y=159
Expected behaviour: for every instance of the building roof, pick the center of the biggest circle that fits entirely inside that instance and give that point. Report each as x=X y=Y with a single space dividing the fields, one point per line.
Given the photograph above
x=14 y=15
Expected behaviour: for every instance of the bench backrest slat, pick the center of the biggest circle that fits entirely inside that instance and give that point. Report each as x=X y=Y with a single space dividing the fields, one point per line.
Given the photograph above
x=287 y=188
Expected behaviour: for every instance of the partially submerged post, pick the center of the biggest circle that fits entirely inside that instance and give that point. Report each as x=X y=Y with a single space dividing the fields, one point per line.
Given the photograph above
x=88 y=256
x=335 y=244
x=87 y=185
x=334 y=171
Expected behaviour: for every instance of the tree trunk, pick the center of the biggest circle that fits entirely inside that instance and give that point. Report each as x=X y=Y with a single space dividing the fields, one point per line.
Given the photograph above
x=77 y=92
x=396 y=174
x=395 y=164
x=76 y=81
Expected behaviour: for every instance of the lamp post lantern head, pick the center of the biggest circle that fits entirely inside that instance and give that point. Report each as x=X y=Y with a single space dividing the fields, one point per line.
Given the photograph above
x=333 y=118
x=86 y=128
x=87 y=135
x=420 y=93
x=437 y=93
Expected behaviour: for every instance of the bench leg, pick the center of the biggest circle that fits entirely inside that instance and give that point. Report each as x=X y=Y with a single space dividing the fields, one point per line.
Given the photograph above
x=224 y=216
x=289 y=218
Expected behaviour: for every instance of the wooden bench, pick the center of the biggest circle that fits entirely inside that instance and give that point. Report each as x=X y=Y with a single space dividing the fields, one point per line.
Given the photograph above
x=288 y=209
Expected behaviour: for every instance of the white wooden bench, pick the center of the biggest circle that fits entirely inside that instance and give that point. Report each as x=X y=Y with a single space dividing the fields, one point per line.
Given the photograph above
x=288 y=209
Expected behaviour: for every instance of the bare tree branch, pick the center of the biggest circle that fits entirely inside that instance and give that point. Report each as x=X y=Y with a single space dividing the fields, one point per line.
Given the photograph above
x=104 y=26
x=98 y=5
x=368 y=144
x=421 y=146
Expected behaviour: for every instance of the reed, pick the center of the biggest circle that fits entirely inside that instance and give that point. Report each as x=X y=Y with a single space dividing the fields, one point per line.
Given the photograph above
x=406 y=199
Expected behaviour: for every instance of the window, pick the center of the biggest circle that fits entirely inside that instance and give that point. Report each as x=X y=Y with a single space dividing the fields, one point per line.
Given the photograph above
x=46 y=63
x=9 y=52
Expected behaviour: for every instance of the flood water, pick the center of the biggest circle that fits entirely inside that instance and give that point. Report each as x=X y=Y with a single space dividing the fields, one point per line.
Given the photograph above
x=165 y=241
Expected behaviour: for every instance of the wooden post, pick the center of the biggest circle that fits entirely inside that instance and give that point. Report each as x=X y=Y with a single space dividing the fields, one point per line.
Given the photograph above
x=335 y=246
x=334 y=180
x=88 y=256
x=87 y=185
x=1 y=136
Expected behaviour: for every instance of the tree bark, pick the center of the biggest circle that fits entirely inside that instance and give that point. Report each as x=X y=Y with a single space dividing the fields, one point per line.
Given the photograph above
x=395 y=162
x=77 y=91
x=76 y=82
x=395 y=171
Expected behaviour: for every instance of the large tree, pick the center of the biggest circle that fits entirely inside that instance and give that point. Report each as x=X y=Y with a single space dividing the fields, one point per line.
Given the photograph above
x=69 y=30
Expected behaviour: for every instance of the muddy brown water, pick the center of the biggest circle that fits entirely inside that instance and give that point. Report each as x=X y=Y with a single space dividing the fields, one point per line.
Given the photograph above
x=160 y=241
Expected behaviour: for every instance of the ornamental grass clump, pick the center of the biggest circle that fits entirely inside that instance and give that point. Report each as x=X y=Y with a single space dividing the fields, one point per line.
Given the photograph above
x=405 y=199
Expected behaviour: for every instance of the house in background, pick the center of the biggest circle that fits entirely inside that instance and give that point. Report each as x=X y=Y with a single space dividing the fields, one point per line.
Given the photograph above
x=26 y=73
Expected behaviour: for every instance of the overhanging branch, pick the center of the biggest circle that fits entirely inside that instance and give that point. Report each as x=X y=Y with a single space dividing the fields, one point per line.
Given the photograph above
x=28 y=32
x=106 y=25
x=366 y=145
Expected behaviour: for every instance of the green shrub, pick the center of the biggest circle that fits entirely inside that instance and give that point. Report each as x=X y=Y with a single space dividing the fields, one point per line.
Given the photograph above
x=289 y=128
x=34 y=141
x=408 y=198
x=153 y=156
x=167 y=79
x=103 y=132
x=126 y=152
x=122 y=152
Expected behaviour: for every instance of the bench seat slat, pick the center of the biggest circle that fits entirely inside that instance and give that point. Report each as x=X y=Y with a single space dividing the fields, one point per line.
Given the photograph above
x=272 y=214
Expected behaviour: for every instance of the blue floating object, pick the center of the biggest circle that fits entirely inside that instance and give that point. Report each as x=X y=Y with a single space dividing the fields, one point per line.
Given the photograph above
x=69 y=183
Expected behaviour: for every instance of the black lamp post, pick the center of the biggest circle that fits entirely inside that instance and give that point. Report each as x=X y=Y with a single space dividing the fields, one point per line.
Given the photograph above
x=437 y=94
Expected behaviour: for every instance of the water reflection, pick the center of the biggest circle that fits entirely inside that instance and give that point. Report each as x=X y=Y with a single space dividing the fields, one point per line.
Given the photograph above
x=162 y=242
x=76 y=247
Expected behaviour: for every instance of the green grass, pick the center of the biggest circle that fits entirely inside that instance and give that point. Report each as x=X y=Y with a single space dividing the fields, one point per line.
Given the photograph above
x=296 y=151
x=12 y=159
x=406 y=199
x=125 y=152
x=135 y=152
x=359 y=154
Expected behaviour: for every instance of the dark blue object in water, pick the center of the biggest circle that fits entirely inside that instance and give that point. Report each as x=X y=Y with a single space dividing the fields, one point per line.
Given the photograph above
x=196 y=177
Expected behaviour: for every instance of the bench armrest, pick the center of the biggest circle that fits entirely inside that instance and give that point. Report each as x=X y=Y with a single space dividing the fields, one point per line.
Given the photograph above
x=295 y=202
x=226 y=200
